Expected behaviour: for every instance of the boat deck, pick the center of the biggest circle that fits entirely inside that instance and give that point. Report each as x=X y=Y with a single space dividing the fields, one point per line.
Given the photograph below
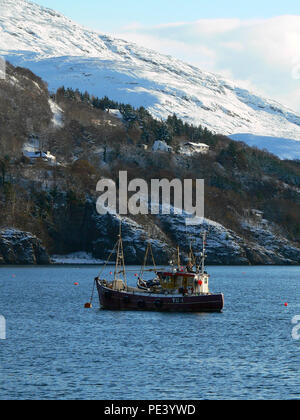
x=137 y=291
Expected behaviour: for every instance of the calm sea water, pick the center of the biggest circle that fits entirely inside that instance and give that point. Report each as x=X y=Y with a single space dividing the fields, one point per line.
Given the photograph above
x=55 y=349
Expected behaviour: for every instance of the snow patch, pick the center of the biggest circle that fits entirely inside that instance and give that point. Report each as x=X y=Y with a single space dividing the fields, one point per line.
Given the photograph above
x=116 y=113
x=65 y=53
x=281 y=147
x=57 y=112
x=76 y=258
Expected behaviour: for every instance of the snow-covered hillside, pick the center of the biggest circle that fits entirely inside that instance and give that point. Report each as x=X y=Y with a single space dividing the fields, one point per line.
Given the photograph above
x=65 y=53
x=284 y=148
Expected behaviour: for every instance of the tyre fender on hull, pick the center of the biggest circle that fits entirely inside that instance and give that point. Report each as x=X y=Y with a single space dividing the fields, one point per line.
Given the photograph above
x=108 y=295
x=158 y=304
x=126 y=299
x=141 y=304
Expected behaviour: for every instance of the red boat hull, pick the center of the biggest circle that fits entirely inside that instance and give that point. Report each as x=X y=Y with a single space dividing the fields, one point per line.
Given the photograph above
x=129 y=301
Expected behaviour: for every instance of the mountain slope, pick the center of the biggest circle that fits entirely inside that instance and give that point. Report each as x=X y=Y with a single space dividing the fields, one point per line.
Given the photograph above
x=283 y=148
x=65 y=53
x=251 y=198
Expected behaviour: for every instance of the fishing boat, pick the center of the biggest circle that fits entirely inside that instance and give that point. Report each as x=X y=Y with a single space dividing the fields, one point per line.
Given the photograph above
x=176 y=289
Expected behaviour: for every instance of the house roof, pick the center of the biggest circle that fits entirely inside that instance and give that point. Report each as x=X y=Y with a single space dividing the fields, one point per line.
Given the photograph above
x=38 y=155
x=196 y=144
x=34 y=155
x=160 y=145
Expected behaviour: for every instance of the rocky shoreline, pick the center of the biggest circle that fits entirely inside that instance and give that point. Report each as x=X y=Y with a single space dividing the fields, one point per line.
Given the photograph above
x=224 y=247
x=21 y=248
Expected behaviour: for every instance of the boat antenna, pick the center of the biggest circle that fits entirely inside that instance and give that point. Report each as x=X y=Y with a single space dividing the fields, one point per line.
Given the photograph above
x=204 y=237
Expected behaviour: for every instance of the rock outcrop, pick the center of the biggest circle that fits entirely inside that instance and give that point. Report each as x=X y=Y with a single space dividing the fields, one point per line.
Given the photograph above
x=256 y=244
x=135 y=237
x=259 y=245
x=265 y=246
x=85 y=230
x=21 y=248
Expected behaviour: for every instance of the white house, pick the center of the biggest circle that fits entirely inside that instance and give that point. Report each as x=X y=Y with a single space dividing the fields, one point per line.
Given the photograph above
x=161 y=146
x=257 y=213
x=191 y=148
x=142 y=146
x=45 y=156
x=32 y=150
x=115 y=112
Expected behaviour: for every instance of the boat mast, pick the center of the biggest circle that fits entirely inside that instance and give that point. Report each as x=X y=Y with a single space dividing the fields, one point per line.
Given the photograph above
x=145 y=262
x=178 y=257
x=120 y=260
x=203 y=252
x=118 y=253
x=192 y=255
x=123 y=260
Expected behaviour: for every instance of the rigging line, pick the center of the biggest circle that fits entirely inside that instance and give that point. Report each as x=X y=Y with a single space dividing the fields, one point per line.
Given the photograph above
x=100 y=273
x=118 y=252
x=106 y=264
x=153 y=259
x=123 y=261
x=145 y=262
x=93 y=290
x=149 y=269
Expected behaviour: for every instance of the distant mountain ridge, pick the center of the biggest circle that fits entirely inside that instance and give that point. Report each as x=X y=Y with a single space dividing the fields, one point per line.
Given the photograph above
x=65 y=53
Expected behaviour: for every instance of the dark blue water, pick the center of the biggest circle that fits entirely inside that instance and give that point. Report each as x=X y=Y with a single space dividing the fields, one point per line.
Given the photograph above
x=55 y=349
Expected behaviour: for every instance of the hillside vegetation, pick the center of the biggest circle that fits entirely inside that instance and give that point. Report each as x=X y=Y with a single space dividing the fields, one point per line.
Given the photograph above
x=54 y=201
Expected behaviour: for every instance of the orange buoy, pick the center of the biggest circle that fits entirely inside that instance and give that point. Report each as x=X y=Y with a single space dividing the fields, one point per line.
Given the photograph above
x=286 y=304
x=76 y=284
x=88 y=305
